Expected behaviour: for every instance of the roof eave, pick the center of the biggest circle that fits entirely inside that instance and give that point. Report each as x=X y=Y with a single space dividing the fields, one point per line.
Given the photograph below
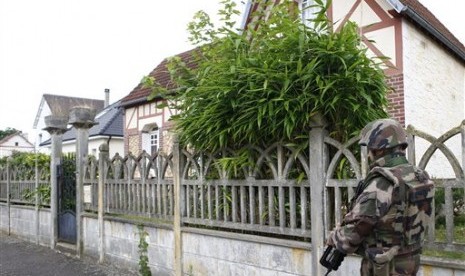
x=133 y=102
x=409 y=12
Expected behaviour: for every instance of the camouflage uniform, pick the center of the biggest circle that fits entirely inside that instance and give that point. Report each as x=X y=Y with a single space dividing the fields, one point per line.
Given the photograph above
x=388 y=217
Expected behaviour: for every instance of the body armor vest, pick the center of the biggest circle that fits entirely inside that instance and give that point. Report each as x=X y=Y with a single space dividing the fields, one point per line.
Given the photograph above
x=408 y=217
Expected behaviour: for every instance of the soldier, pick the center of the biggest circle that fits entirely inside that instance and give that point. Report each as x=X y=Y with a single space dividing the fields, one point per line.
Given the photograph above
x=391 y=208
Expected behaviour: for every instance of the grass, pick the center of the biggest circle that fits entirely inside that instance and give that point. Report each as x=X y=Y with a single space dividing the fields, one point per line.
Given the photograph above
x=459 y=237
x=444 y=254
x=459 y=233
x=140 y=218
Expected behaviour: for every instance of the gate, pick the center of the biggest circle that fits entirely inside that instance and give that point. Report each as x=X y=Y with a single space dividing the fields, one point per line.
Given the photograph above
x=67 y=199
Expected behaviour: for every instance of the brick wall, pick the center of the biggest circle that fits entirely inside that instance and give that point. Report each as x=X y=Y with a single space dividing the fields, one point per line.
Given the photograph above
x=134 y=144
x=396 y=107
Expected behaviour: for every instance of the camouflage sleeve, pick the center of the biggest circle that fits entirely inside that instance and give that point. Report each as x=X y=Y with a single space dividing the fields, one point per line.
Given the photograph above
x=370 y=206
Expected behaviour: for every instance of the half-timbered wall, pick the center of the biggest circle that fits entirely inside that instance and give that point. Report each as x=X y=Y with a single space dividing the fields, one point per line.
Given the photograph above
x=380 y=29
x=140 y=119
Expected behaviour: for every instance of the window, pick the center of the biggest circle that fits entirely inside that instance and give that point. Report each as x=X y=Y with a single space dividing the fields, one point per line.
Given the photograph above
x=150 y=138
x=16 y=144
x=154 y=140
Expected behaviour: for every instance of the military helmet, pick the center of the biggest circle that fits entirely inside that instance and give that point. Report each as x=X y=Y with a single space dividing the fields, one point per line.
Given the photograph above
x=383 y=134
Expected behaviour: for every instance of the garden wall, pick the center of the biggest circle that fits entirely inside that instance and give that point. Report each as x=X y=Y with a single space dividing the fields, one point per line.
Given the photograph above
x=204 y=252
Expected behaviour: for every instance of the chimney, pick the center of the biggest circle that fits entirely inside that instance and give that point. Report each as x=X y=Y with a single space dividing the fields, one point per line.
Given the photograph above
x=107 y=98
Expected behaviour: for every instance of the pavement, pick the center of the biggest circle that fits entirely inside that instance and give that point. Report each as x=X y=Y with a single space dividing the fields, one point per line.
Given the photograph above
x=23 y=258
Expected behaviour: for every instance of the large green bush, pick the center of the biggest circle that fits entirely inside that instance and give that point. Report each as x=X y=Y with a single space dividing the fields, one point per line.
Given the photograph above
x=267 y=83
x=27 y=159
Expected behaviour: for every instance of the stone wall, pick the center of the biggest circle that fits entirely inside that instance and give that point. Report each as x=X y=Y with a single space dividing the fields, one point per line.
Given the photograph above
x=22 y=222
x=205 y=252
x=122 y=241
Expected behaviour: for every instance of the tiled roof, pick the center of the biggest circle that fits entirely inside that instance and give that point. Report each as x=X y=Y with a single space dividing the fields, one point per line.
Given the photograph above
x=430 y=19
x=8 y=137
x=161 y=74
x=109 y=123
x=60 y=105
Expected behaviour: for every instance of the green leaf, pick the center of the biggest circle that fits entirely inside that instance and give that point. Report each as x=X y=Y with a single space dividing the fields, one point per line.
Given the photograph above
x=264 y=84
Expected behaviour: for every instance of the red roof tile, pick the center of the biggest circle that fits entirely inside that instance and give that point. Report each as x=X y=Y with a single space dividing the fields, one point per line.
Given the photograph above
x=162 y=76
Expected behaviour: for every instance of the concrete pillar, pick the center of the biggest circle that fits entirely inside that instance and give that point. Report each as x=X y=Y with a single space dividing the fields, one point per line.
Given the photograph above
x=103 y=157
x=318 y=165
x=462 y=132
x=55 y=126
x=81 y=118
x=8 y=196
x=177 y=208
x=37 y=198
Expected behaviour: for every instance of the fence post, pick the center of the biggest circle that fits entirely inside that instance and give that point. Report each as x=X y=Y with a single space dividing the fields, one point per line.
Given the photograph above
x=8 y=184
x=81 y=118
x=318 y=161
x=37 y=199
x=462 y=132
x=55 y=126
x=177 y=208
x=103 y=156
x=411 y=145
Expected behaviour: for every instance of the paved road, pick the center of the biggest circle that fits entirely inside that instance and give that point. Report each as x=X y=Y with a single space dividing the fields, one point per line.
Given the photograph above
x=21 y=258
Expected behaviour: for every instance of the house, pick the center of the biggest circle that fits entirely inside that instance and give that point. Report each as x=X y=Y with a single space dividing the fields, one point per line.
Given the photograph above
x=426 y=69
x=426 y=66
x=15 y=142
x=59 y=105
x=426 y=61
x=146 y=123
x=108 y=129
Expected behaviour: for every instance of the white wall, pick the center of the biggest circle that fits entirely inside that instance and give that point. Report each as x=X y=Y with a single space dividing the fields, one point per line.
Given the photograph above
x=116 y=146
x=41 y=125
x=10 y=145
x=434 y=93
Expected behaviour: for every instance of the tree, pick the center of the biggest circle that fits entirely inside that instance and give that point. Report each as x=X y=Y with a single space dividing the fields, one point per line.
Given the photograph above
x=265 y=84
x=8 y=131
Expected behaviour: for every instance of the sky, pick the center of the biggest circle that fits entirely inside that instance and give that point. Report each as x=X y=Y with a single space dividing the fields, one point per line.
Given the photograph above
x=80 y=47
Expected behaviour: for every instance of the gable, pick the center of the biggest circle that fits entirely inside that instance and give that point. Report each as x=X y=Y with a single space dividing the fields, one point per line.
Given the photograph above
x=380 y=29
x=418 y=14
x=15 y=139
x=374 y=15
